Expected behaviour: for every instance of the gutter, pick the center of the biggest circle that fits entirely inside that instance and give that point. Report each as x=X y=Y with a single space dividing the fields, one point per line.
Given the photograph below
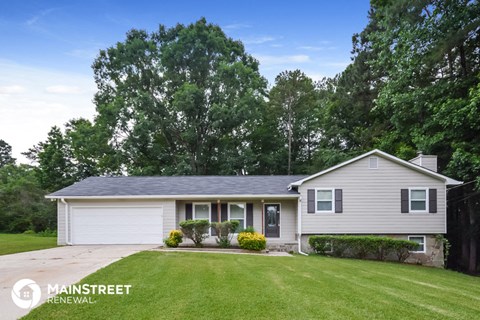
x=66 y=220
x=299 y=227
x=182 y=196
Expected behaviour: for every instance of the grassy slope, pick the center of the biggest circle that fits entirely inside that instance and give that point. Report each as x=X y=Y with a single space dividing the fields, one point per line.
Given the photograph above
x=220 y=286
x=13 y=243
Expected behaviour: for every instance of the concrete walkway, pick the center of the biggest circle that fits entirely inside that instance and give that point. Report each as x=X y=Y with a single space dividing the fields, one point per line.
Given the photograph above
x=225 y=251
x=62 y=265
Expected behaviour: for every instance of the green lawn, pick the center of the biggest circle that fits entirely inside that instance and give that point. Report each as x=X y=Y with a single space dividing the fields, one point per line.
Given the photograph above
x=220 y=286
x=13 y=243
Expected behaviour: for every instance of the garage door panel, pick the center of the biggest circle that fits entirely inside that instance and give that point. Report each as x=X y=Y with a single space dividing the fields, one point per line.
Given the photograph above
x=117 y=225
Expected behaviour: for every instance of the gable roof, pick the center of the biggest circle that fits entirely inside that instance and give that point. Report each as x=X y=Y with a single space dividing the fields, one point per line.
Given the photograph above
x=179 y=186
x=447 y=180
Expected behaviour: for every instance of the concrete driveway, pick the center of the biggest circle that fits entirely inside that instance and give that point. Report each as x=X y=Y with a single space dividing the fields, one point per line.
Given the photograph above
x=62 y=265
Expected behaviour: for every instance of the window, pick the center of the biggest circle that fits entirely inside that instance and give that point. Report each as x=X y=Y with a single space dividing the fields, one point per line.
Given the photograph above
x=236 y=212
x=201 y=211
x=418 y=200
x=373 y=163
x=324 y=200
x=421 y=243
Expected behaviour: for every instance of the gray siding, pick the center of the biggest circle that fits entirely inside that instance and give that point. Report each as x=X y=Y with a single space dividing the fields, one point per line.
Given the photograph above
x=426 y=161
x=288 y=218
x=169 y=212
x=61 y=223
x=371 y=201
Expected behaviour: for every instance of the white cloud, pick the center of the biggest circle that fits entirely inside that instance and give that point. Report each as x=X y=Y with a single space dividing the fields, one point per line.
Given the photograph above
x=62 y=89
x=12 y=89
x=88 y=54
x=27 y=116
x=33 y=20
x=236 y=26
x=316 y=48
x=269 y=60
x=315 y=76
x=259 y=40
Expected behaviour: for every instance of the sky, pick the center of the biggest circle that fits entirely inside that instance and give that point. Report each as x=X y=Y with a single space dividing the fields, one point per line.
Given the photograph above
x=47 y=48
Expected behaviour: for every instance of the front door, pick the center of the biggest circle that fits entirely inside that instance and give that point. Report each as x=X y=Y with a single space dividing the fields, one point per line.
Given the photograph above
x=272 y=220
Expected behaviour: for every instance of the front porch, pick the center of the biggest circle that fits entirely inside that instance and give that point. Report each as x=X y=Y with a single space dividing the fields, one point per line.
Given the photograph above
x=274 y=218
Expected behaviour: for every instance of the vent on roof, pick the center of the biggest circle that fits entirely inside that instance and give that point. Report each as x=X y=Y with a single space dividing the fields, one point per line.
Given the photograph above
x=373 y=163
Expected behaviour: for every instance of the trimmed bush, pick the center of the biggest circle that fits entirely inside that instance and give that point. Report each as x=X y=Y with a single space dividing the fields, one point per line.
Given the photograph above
x=225 y=231
x=195 y=230
x=252 y=241
x=362 y=246
x=175 y=237
x=321 y=244
x=249 y=229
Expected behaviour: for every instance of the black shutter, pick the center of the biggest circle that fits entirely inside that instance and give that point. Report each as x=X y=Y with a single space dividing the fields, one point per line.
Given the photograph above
x=224 y=210
x=404 y=200
x=310 y=201
x=338 y=201
x=249 y=215
x=432 y=200
x=188 y=211
x=214 y=217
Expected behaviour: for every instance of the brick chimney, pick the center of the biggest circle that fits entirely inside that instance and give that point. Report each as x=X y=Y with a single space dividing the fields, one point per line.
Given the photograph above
x=427 y=161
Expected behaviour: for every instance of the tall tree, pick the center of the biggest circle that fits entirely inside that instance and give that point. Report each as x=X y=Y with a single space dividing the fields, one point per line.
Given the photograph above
x=293 y=103
x=22 y=201
x=54 y=157
x=179 y=100
x=429 y=52
x=5 y=154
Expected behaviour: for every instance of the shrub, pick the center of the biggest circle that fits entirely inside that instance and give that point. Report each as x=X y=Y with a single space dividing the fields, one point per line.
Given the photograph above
x=175 y=237
x=224 y=231
x=362 y=246
x=29 y=232
x=321 y=244
x=249 y=229
x=252 y=241
x=195 y=230
x=47 y=233
x=402 y=249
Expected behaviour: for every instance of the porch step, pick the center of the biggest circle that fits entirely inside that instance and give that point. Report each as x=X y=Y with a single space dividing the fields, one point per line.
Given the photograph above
x=283 y=247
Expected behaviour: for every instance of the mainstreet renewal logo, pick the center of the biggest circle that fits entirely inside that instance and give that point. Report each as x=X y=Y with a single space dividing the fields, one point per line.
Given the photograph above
x=26 y=293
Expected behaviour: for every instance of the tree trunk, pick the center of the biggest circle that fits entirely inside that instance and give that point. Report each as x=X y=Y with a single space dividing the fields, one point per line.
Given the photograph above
x=463 y=60
x=289 y=171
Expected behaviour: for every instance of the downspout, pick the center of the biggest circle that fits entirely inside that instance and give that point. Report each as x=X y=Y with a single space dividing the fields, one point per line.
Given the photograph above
x=263 y=217
x=299 y=226
x=67 y=241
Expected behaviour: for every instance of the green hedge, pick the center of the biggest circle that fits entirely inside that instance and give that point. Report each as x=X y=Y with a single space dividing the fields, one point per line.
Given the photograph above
x=362 y=247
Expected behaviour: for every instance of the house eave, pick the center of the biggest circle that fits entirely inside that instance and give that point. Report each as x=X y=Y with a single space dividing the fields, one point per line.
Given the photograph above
x=180 y=197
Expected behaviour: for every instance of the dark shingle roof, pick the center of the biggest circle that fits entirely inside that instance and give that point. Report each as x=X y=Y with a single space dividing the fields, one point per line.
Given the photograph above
x=179 y=185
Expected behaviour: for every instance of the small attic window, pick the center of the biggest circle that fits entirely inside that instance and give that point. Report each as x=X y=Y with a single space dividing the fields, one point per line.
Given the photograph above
x=373 y=163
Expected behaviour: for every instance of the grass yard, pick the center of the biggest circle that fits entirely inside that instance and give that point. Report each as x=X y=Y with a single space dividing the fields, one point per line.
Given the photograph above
x=175 y=285
x=13 y=243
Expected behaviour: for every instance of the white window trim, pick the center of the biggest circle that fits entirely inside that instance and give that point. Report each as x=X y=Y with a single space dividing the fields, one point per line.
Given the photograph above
x=333 y=200
x=369 y=163
x=202 y=203
x=410 y=200
x=244 y=212
x=424 y=243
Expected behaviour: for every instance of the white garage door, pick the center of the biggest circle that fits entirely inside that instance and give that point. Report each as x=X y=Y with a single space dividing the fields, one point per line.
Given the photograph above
x=117 y=225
